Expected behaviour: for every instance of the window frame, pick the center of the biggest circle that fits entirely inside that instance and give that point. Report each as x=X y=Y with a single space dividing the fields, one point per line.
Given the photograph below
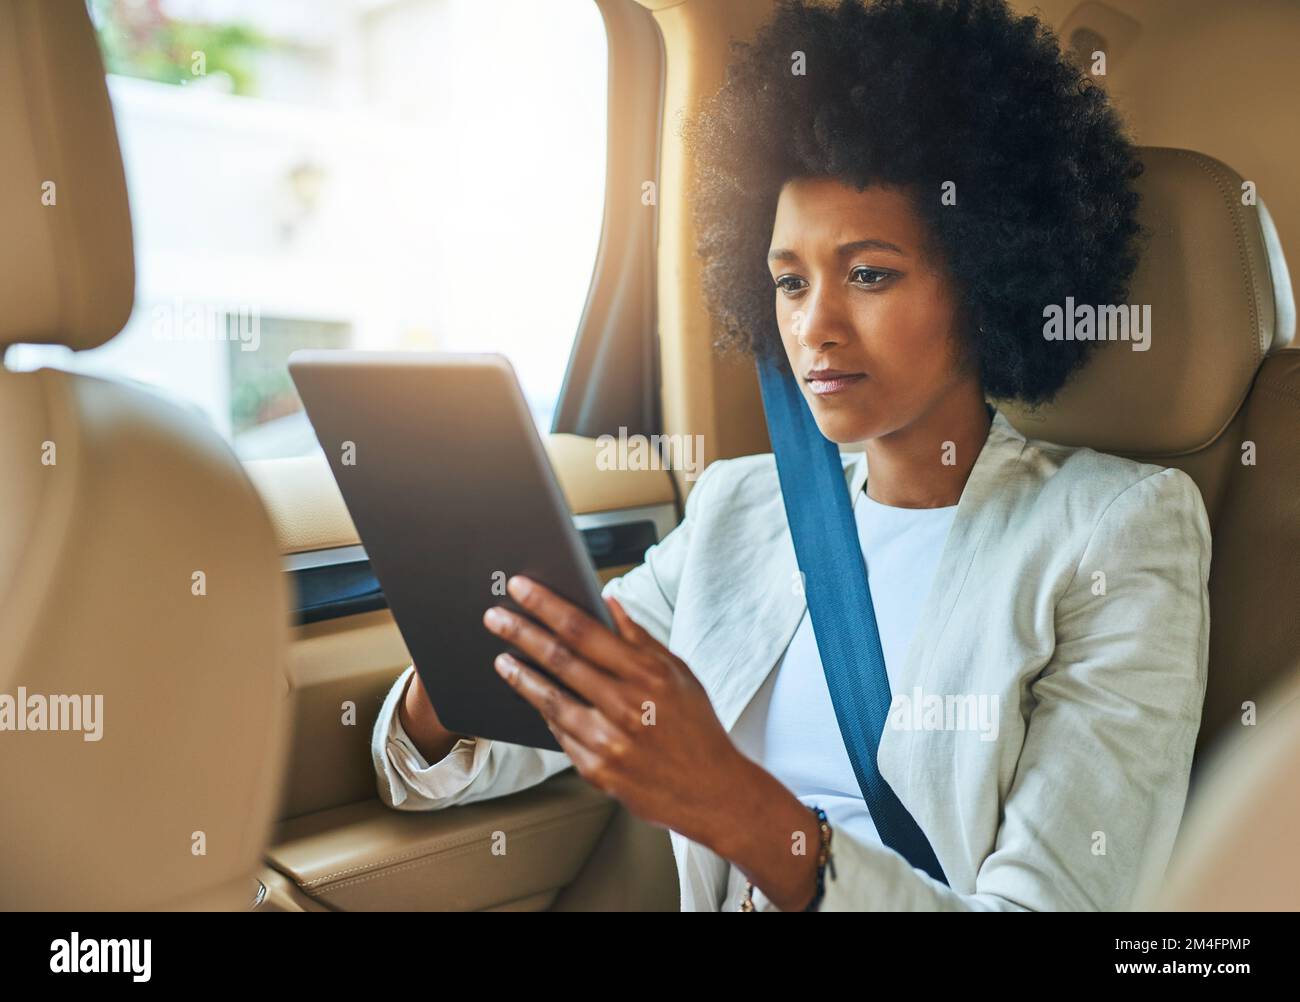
x=612 y=380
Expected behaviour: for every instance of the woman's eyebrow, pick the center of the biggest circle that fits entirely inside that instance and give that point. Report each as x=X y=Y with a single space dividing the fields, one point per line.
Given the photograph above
x=843 y=250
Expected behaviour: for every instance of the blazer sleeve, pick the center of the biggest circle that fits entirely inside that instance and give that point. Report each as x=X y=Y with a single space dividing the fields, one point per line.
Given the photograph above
x=1099 y=790
x=478 y=768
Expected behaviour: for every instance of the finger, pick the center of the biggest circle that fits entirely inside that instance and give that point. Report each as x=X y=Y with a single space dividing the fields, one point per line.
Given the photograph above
x=582 y=634
x=587 y=762
x=556 y=706
x=593 y=760
x=585 y=736
x=597 y=686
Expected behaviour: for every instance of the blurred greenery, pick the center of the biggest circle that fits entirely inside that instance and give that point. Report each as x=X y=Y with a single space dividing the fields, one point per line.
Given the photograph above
x=139 y=39
x=261 y=389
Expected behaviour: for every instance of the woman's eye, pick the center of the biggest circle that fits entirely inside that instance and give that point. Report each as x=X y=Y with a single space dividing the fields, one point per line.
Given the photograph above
x=786 y=284
x=862 y=275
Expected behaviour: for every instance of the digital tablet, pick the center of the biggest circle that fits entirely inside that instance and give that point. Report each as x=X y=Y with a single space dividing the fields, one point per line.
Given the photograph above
x=451 y=490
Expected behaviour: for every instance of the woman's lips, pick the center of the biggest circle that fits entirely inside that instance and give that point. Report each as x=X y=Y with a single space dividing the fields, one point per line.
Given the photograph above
x=824 y=385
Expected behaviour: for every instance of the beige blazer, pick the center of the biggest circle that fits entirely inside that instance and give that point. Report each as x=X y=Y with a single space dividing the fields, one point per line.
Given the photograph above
x=1071 y=595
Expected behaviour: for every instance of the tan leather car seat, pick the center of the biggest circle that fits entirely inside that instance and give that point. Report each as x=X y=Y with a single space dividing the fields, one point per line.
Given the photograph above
x=1237 y=847
x=113 y=500
x=1217 y=394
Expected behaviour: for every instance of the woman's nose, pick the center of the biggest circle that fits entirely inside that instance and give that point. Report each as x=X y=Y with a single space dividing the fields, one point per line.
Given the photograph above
x=818 y=324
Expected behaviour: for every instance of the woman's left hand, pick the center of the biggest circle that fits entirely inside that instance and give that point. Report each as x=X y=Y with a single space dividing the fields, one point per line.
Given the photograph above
x=650 y=737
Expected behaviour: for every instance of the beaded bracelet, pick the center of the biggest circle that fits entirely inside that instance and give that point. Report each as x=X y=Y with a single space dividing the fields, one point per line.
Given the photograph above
x=824 y=861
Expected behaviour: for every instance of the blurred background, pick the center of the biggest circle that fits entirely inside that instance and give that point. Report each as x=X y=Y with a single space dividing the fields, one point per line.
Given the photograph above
x=348 y=173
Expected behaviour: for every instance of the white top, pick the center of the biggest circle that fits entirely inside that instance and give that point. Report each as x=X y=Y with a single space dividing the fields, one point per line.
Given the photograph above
x=789 y=727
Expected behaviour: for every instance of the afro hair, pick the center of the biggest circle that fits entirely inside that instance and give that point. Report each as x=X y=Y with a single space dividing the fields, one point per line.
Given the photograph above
x=916 y=94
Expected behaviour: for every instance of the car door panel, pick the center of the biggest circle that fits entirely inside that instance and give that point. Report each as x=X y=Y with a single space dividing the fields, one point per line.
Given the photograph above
x=519 y=849
x=337 y=845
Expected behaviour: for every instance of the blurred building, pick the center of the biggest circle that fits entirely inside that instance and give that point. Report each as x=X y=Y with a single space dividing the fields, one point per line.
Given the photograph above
x=368 y=173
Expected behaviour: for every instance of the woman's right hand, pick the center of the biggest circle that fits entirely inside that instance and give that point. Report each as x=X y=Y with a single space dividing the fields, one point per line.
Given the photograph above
x=420 y=721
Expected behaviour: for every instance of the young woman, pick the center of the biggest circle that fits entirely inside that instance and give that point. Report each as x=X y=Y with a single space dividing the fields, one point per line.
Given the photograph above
x=889 y=195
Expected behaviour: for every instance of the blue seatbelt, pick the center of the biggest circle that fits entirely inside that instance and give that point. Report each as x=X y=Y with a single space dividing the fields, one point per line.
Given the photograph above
x=820 y=515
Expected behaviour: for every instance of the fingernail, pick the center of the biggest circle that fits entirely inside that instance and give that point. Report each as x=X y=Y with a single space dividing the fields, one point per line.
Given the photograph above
x=505 y=666
x=494 y=616
x=519 y=586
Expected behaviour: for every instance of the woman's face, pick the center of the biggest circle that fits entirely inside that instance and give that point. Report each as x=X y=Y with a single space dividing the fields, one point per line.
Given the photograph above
x=857 y=295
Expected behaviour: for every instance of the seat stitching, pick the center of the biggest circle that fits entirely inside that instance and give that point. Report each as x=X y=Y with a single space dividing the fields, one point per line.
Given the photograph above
x=441 y=857
x=1204 y=164
x=1281 y=391
x=443 y=848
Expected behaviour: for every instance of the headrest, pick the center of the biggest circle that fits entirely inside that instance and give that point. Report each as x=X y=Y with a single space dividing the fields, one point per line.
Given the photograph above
x=67 y=274
x=1215 y=279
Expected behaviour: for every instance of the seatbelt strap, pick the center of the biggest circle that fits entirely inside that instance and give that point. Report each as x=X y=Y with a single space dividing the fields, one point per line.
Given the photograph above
x=820 y=515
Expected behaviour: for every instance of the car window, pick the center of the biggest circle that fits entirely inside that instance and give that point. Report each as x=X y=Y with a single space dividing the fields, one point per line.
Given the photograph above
x=349 y=173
